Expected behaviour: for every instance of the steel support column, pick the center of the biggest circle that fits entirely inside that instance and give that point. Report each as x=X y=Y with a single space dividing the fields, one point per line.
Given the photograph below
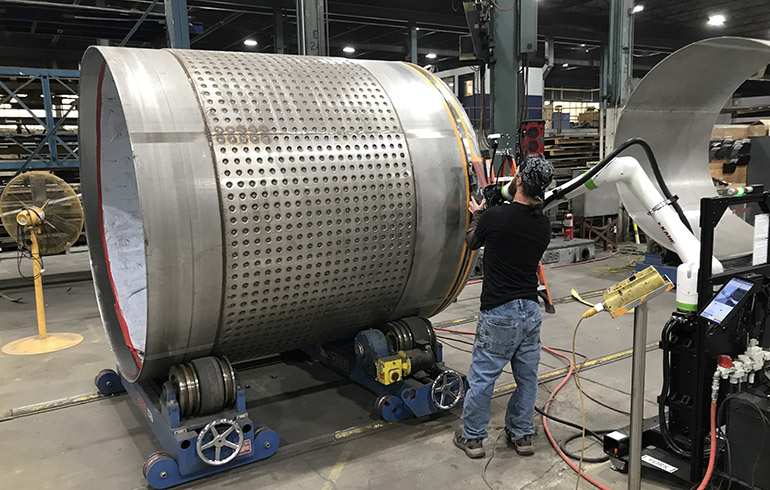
x=621 y=51
x=413 y=43
x=45 y=83
x=638 y=367
x=505 y=73
x=311 y=28
x=620 y=67
x=278 y=37
x=177 y=24
x=604 y=76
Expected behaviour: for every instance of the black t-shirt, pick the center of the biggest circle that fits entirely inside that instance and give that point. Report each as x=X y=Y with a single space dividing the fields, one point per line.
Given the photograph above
x=514 y=238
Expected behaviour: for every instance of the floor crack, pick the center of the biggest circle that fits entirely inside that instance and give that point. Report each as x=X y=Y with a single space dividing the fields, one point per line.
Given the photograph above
x=548 y=470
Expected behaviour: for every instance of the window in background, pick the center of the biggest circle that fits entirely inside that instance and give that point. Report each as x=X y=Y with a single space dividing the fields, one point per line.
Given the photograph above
x=450 y=82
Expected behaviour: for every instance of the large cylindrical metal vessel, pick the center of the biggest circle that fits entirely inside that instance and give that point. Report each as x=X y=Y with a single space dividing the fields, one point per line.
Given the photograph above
x=245 y=204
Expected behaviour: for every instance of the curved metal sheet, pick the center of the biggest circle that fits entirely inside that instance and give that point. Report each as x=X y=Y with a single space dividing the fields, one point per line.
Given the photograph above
x=674 y=108
x=283 y=201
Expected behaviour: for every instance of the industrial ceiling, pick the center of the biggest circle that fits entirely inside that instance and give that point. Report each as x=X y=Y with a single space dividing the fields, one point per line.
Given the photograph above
x=54 y=34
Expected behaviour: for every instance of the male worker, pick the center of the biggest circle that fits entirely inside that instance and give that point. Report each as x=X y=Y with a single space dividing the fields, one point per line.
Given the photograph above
x=514 y=236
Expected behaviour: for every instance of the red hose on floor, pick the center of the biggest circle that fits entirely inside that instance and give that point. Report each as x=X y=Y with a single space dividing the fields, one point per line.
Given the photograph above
x=463 y=332
x=547 y=404
x=712 y=456
x=548 y=431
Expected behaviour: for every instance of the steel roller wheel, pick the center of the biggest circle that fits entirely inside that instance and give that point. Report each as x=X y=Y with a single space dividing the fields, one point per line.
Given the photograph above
x=228 y=375
x=152 y=460
x=381 y=403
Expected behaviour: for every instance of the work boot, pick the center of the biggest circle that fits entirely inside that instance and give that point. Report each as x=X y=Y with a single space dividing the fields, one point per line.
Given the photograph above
x=473 y=448
x=523 y=446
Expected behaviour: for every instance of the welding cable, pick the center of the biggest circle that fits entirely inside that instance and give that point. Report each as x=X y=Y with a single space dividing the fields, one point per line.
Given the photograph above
x=561 y=448
x=461 y=332
x=586 y=459
x=665 y=392
x=591 y=173
x=548 y=430
x=765 y=423
x=582 y=400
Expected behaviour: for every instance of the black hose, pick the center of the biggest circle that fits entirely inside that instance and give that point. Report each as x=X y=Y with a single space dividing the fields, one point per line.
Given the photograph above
x=667 y=437
x=594 y=434
x=560 y=193
x=586 y=459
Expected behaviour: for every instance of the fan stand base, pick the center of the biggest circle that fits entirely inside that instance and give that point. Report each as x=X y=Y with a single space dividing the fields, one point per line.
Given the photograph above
x=52 y=342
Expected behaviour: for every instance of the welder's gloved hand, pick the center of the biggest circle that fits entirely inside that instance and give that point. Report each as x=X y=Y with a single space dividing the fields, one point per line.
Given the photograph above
x=474 y=206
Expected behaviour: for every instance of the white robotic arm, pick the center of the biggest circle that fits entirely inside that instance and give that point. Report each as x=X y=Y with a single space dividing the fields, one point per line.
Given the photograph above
x=626 y=171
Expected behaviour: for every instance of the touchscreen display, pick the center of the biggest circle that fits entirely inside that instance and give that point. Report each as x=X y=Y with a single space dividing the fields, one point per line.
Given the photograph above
x=727 y=298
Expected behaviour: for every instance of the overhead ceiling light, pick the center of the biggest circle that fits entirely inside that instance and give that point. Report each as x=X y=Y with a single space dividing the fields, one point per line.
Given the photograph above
x=349 y=49
x=716 y=20
x=637 y=9
x=582 y=45
x=250 y=42
x=430 y=56
x=565 y=65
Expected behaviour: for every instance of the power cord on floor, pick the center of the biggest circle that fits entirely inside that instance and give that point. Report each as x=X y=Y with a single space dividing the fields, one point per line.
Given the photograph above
x=582 y=405
x=560 y=448
x=489 y=460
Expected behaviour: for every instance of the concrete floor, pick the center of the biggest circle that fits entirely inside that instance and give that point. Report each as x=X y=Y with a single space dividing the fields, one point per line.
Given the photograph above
x=103 y=443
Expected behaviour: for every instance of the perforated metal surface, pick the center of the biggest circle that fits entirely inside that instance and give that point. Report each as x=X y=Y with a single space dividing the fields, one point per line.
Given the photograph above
x=317 y=197
x=285 y=201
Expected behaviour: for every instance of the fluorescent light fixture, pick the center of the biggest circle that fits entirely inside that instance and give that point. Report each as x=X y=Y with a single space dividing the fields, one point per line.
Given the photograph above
x=637 y=9
x=565 y=65
x=349 y=49
x=582 y=45
x=430 y=56
x=716 y=20
x=250 y=42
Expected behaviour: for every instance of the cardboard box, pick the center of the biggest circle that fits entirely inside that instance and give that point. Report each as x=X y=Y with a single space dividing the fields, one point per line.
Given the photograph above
x=759 y=128
x=736 y=178
x=734 y=131
x=548 y=116
x=590 y=117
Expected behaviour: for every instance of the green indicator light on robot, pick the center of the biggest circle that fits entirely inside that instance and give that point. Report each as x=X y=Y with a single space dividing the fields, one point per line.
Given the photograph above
x=739 y=191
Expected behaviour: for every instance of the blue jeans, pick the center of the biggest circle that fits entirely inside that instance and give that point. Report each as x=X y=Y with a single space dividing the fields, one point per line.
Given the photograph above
x=508 y=333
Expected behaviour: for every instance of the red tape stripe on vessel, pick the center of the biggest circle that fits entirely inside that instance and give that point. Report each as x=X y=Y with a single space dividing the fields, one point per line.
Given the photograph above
x=118 y=311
